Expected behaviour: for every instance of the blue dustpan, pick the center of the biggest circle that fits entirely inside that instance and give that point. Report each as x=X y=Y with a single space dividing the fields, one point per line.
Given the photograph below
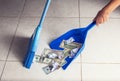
x=35 y=39
x=78 y=34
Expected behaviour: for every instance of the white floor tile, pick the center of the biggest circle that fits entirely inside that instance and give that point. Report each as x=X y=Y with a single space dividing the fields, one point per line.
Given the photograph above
x=102 y=43
x=11 y=7
x=33 y=8
x=89 y=8
x=63 y=8
x=15 y=71
x=100 y=72
x=52 y=28
x=7 y=31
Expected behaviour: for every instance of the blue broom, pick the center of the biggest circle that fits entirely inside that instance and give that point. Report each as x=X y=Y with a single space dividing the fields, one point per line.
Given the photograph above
x=35 y=38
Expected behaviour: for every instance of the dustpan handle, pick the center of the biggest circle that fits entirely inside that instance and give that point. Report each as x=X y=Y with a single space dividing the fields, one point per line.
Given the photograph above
x=91 y=25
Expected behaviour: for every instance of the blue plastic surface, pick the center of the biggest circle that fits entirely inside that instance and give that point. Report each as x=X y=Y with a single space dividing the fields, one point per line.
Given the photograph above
x=78 y=34
x=35 y=39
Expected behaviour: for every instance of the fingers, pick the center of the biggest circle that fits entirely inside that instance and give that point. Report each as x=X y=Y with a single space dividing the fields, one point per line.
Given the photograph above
x=101 y=18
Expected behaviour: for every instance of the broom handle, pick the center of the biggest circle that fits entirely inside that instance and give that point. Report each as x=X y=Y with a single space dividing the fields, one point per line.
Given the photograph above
x=44 y=13
x=37 y=31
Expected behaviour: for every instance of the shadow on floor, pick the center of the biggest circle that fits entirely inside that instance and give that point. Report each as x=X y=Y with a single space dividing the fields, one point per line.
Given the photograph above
x=18 y=49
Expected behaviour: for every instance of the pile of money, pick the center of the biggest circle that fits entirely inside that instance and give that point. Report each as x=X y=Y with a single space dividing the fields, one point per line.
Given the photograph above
x=56 y=58
x=70 y=47
x=53 y=58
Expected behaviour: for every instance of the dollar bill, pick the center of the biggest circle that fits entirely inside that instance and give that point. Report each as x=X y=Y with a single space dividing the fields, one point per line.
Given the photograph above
x=71 y=49
x=52 y=54
x=62 y=44
x=47 y=69
x=47 y=60
x=73 y=52
x=36 y=58
x=70 y=40
x=42 y=58
x=62 y=63
x=50 y=68
x=67 y=52
x=73 y=45
x=70 y=45
x=70 y=52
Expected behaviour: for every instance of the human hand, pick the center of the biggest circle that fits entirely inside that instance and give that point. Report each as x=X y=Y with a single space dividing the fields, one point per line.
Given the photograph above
x=101 y=17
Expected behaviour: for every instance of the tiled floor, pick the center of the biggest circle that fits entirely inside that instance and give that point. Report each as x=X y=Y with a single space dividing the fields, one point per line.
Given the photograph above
x=99 y=61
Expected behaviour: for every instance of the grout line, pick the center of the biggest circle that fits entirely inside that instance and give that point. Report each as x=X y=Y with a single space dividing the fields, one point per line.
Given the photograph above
x=80 y=26
x=98 y=63
x=19 y=17
x=79 y=11
x=51 y=17
x=14 y=61
x=45 y=17
x=62 y=17
x=9 y=17
x=2 y=60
